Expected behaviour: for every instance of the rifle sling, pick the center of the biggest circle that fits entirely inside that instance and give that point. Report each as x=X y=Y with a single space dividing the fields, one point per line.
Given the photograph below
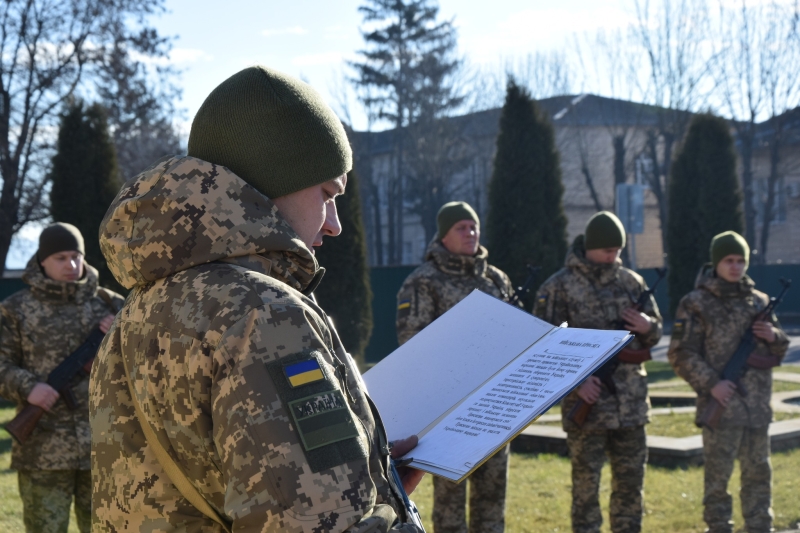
x=173 y=471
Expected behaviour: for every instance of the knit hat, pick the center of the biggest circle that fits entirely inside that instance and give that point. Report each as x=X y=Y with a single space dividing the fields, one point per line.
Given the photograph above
x=59 y=237
x=729 y=243
x=453 y=212
x=272 y=130
x=604 y=230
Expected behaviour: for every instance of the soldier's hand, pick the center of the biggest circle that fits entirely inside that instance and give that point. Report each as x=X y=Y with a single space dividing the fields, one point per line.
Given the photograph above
x=589 y=392
x=43 y=395
x=636 y=321
x=764 y=331
x=105 y=324
x=723 y=391
x=409 y=476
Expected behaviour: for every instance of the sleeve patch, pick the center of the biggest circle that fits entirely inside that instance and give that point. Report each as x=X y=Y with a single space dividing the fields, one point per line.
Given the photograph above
x=404 y=308
x=303 y=373
x=322 y=419
x=678 y=327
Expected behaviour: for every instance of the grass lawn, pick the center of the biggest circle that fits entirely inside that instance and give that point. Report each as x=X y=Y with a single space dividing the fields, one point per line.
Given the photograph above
x=539 y=495
x=10 y=504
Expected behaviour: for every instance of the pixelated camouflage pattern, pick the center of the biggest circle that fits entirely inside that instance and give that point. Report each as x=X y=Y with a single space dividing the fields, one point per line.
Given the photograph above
x=627 y=451
x=487 y=499
x=39 y=327
x=710 y=322
x=46 y=498
x=720 y=448
x=588 y=295
x=428 y=292
x=443 y=280
x=218 y=279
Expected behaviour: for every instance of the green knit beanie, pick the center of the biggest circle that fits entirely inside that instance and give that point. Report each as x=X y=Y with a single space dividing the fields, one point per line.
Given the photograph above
x=604 y=230
x=729 y=243
x=453 y=212
x=59 y=237
x=273 y=131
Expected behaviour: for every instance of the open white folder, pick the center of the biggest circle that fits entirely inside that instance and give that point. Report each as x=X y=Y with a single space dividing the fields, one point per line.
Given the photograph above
x=477 y=376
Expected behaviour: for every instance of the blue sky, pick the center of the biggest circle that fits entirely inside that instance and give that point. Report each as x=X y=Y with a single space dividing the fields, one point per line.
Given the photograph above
x=312 y=39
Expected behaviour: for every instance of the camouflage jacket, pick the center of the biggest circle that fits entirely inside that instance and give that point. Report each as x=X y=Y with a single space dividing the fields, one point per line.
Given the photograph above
x=588 y=295
x=709 y=323
x=40 y=327
x=237 y=370
x=443 y=280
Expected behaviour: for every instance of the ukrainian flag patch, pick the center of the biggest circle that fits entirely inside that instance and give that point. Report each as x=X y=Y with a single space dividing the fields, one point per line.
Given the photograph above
x=404 y=304
x=303 y=373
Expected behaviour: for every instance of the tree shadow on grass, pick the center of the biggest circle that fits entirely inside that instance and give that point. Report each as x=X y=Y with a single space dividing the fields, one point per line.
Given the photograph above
x=5 y=445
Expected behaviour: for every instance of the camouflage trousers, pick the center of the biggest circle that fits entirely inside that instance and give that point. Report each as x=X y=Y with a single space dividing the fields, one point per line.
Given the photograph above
x=487 y=499
x=627 y=451
x=47 y=495
x=720 y=448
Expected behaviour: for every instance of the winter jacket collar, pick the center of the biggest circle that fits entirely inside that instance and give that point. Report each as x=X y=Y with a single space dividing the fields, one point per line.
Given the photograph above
x=50 y=290
x=456 y=264
x=184 y=212
x=725 y=290
x=602 y=274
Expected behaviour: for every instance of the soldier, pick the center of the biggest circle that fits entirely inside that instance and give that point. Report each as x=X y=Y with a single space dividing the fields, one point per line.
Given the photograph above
x=455 y=265
x=595 y=291
x=258 y=418
x=39 y=327
x=709 y=323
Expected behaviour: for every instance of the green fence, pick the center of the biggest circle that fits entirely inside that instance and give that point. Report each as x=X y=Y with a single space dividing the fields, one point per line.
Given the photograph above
x=386 y=281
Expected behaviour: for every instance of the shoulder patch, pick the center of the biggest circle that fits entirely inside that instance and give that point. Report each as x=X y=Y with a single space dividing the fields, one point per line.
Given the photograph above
x=541 y=300
x=404 y=308
x=325 y=425
x=678 y=328
x=323 y=419
x=303 y=372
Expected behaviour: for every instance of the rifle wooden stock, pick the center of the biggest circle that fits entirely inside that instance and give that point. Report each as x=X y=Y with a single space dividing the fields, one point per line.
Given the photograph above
x=25 y=422
x=579 y=412
x=711 y=415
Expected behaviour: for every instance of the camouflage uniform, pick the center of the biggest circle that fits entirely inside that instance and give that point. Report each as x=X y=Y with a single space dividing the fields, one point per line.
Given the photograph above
x=217 y=324
x=432 y=289
x=588 y=295
x=39 y=327
x=709 y=324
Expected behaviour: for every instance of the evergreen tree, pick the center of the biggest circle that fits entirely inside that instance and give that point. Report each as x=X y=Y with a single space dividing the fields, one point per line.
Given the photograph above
x=527 y=224
x=705 y=199
x=345 y=291
x=85 y=178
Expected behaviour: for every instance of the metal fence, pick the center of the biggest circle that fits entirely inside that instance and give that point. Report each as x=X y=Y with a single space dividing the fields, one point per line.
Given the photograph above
x=386 y=282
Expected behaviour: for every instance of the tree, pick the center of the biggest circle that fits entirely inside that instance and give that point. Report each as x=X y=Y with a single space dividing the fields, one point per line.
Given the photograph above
x=48 y=51
x=404 y=73
x=526 y=222
x=759 y=53
x=85 y=178
x=706 y=200
x=345 y=291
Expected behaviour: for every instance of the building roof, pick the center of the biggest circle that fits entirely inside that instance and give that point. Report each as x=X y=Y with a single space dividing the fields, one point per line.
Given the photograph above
x=584 y=110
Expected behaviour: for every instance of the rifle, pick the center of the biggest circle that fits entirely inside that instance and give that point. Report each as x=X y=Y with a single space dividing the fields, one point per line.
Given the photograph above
x=520 y=292
x=412 y=514
x=78 y=362
x=580 y=411
x=737 y=365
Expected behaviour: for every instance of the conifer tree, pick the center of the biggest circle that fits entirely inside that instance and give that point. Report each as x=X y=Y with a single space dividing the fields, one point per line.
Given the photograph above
x=345 y=291
x=85 y=178
x=527 y=224
x=705 y=199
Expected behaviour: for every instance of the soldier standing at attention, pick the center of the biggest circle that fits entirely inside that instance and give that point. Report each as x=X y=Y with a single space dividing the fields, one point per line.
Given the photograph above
x=595 y=291
x=40 y=327
x=455 y=265
x=709 y=323
x=222 y=398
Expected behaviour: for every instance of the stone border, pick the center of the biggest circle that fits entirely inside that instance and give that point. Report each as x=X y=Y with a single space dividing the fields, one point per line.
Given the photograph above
x=671 y=451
